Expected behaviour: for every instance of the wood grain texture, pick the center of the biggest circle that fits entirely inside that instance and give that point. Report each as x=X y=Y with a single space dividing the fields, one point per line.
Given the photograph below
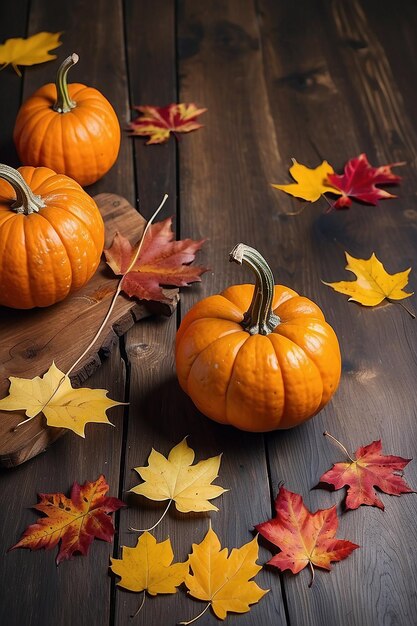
x=343 y=116
x=310 y=80
x=62 y=333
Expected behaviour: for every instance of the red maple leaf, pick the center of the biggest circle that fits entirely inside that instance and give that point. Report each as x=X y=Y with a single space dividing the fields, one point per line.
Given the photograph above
x=159 y=122
x=367 y=470
x=74 y=521
x=304 y=538
x=161 y=261
x=359 y=181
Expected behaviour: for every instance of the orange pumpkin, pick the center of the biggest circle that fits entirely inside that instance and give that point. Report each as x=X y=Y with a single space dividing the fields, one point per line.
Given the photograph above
x=260 y=358
x=51 y=237
x=72 y=129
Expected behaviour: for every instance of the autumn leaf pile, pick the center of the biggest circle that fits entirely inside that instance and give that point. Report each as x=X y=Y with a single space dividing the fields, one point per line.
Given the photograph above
x=223 y=579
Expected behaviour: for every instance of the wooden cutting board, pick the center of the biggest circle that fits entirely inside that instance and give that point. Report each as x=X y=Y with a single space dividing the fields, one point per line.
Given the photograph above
x=31 y=340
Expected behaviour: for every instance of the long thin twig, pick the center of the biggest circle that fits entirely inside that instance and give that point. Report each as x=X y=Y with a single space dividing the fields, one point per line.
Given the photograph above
x=108 y=314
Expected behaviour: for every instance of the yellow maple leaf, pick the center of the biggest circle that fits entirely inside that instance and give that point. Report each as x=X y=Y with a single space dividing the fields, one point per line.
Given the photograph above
x=177 y=480
x=222 y=580
x=53 y=395
x=373 y=282
x=148 y=567
x=311 y=183
x=30 y=51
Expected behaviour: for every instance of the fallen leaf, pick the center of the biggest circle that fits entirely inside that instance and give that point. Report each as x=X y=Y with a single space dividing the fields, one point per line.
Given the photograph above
x=74 y=521
x=175 y=479
x=148 y=567
x=53 y=395
x=367 y=470
x=222 y=580
x=304 y=538
x=159 y=122
x=30 y=51
x=373 y=282
x=311 y=182
x=359 y=182
x=161 y=261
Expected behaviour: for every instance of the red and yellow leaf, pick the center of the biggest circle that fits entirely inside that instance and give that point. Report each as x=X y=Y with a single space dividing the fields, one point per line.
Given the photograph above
x=161 y=261
x=74 y=521
x=158 y=123
x=304 y=538
x=367 y=470
x=360 y=180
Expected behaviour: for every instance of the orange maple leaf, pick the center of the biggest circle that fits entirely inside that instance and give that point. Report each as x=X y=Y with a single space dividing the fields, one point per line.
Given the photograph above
x=367 y=470
x=161 y=261
x=74 y=521
x=304 y=538
x=159 y=122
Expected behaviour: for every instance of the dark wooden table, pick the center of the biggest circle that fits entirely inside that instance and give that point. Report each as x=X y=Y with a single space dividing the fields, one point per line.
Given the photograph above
x=310 y=80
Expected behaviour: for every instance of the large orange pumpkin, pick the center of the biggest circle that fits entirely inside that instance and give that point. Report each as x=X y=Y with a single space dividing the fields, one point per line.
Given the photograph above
x=51 y=237
x=72 y=129
x=259 y=358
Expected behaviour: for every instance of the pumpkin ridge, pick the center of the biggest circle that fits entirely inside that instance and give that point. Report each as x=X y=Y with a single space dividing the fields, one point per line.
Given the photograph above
x=91 y=231
x=230 y=379
x=45 y=130
x=24 y=134
x=50 y=225
x=79 y=119
x=284 y=377
x=238 y=330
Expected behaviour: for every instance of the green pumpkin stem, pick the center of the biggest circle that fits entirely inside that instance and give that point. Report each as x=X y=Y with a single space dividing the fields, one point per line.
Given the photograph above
x=63 y=103
x=26 y=202
x=259 y=318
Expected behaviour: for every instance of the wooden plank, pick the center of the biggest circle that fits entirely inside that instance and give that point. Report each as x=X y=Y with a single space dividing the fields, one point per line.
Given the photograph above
x=13 y=23
x=150 y=44
x=210 y=186
x=62 y=333
x=335 y=96
x=33 y=590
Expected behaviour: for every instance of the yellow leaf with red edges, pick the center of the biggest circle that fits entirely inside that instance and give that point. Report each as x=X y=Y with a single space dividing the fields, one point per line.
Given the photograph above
x=30 y=51
x=373 y=283
x=53 y=395
x=310 y=183
x=74 y=521
x=158 y=123
x=148 y=567
x=224 y=580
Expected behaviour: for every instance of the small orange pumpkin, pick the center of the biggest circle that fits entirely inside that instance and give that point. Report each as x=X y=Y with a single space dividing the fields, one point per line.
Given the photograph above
x=260 y=358
x=71 y=129
x=51 y=237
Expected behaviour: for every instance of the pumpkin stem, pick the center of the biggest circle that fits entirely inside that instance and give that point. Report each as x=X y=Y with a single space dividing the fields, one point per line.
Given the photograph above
x=63 y=102
x=26 y=201
x=259 y=318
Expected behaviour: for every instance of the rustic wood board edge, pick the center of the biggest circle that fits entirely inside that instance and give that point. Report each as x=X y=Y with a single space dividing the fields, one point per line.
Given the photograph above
x=35 y=437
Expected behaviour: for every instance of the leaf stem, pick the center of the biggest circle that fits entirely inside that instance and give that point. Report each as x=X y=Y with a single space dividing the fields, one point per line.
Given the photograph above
x=197 y=616
x=140 y=605
x=312 y=573
x=108 y=314
x=403 y=306
x=341 y=446
x=145 y=530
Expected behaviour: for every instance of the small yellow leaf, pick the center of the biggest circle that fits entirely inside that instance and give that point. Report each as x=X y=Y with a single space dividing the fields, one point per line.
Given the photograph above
x=176 y=479
x=373 y=282
x=148 y=566
x=30 y=51
x=311 y=182
x=224 y=580
x=53 y=395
